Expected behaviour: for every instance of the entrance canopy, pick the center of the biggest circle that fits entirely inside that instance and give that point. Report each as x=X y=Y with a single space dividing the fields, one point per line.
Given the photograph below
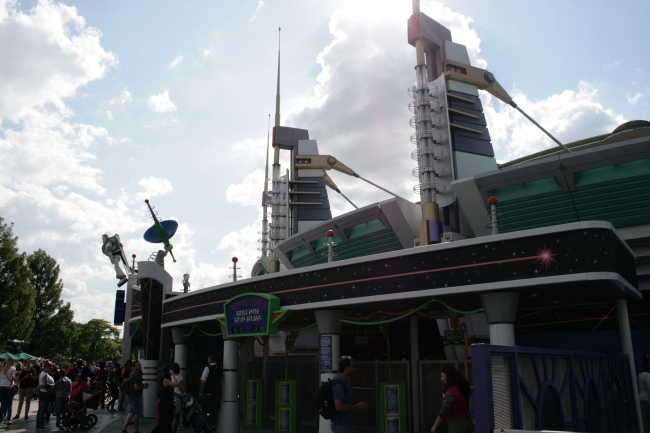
x=571 y=264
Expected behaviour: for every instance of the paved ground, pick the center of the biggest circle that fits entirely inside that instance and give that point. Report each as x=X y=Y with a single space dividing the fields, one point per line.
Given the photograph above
x=22 y=425
x=107 y=423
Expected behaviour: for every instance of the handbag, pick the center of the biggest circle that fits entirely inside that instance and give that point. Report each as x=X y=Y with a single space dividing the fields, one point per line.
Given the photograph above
x=14 y=388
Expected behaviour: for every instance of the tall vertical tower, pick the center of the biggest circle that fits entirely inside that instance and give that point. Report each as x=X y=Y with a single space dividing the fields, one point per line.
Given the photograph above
x=451 y=136
x=277 y=201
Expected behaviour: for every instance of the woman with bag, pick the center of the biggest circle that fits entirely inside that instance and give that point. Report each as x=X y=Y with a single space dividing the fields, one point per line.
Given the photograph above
x=179 y=392
x=7 y=392
x=166 y=385
x=26 y=381
x=45 y=382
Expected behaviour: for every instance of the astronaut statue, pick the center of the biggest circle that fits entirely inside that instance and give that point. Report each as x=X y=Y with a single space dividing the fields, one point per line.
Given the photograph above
x=112 y=247
x=186 y=283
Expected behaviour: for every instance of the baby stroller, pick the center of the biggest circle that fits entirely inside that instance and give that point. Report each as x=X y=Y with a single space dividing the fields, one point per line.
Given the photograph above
x=192 y=415
x=78 y=407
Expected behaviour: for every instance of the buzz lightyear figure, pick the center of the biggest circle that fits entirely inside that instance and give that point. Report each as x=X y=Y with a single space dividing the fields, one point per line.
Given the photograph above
x=112 y=248
x=186 y=283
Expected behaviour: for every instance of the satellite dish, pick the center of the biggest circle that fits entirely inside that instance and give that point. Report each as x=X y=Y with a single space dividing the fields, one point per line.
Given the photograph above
x=169 y=226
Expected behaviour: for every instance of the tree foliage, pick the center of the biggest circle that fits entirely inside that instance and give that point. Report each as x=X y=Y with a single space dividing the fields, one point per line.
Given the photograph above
x=34 y=318
x=98 y=340
x=17 y=301
x=53 y=323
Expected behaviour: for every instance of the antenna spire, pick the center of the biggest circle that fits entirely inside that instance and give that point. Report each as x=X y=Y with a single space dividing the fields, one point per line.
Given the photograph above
x=277 y=93
x=266 y=171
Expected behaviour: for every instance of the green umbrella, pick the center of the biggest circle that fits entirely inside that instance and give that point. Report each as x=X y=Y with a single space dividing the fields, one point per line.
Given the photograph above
x=24 y=356
x=6 y=355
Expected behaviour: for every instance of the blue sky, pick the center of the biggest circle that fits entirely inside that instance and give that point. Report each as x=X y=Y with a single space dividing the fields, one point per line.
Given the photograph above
x=104 y=104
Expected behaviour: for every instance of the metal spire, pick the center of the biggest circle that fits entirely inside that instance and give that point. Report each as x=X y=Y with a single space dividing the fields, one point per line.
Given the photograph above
x=275 y=228
x=266 y=170
x=277 y=93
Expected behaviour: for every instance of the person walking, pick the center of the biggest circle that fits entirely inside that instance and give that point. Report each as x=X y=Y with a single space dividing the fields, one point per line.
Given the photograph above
x=61 y=390
x=135 y=398
x=179 y=392
x=45 y=382
x=342 y=392
x=167 y=384
x=211 y=390
x=113 y=387
x=26 y=382
x=7 y=376
x=455 y=402
x=100 y=381
x=125 y=373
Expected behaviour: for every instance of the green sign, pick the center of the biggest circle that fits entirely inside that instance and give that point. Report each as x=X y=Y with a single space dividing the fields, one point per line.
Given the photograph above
x=285 y=406
x=253 y=402
x=253 y=315
x=393 y=407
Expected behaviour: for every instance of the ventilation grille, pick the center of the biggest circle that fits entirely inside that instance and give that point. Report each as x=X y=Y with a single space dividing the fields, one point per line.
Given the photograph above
x=501 y=399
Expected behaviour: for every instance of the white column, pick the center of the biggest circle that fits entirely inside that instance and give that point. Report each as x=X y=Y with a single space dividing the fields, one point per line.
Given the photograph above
x=180 y=349
x=126 y=339
x=415 y=374
x=626 y=343
x=229 y=421
x=180 y=357
x=329 y=327
x=501 y=313
x=502 y=334
x=150 y=394
x=265 y=361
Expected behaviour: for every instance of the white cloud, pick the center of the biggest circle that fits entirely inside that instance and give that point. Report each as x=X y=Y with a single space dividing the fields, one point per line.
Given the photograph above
x=109 y=115
x=206 y=52
x=124 y=97
x=175 y=62
x=249 y=191
x=53 y=53
x=638 y=96
x=571 y=115
x=161 y=103
x=238 y=244
x=260 y=4
x=613 y=64
x=153 y=186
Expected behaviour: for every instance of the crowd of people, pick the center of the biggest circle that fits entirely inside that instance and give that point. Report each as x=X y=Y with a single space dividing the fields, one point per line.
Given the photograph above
x=53 y=387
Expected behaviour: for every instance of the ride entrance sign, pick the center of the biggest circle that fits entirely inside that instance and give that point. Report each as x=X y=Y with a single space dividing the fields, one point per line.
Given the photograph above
x=253 y=315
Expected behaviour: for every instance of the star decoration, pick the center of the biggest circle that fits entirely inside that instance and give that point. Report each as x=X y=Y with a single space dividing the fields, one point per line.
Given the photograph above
x=546 y=256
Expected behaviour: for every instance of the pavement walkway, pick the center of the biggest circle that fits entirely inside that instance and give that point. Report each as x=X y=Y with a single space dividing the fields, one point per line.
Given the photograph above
x=108 y=422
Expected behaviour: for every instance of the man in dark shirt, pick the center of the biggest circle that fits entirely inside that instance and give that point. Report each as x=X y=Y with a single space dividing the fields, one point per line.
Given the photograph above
x=135 y=398
x=342 y=422
x=211 y=390
x=81 y=369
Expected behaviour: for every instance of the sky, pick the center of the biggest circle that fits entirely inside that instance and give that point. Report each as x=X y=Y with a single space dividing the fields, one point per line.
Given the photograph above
x=106 y=104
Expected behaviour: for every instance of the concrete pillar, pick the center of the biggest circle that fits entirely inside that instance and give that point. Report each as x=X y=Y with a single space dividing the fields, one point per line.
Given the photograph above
x=626 y=343
x=265 y=360
x=501 y=313
x=150 y=394
x=246 y=359
x=180 y=349
x=229 y=419
x=329 y=328
x=126 y=340
x=415 y=374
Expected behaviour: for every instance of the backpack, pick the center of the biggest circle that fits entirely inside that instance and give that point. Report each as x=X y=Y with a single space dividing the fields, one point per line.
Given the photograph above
x=325 y=398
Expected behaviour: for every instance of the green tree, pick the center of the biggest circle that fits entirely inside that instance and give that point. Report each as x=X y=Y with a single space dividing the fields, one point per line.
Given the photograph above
x=98 y=340
x=17 y=299
x=54 y=329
